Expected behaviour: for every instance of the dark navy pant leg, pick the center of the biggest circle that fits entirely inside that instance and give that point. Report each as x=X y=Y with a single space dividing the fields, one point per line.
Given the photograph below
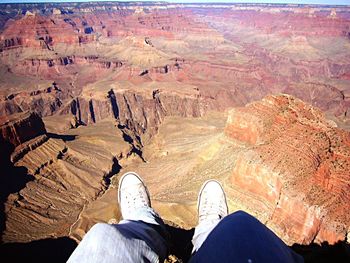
x=240 y=237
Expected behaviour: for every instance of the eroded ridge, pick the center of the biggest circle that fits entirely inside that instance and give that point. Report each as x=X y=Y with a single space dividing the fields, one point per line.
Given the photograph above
x=296 y=167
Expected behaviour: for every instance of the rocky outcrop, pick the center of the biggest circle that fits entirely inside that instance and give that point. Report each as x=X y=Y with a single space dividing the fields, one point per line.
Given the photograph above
x=21 y=128
x=144 y=114
x=44 y=102
x=69 y=172
x=295 y=171
x=56 y=66
x=140 y=112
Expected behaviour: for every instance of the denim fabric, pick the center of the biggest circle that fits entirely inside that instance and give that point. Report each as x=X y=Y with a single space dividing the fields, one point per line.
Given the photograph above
x=201 y=233
x=128 y=241
x=240 y=237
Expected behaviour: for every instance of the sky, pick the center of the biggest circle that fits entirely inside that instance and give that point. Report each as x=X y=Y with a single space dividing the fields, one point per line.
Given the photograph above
x=329 y=2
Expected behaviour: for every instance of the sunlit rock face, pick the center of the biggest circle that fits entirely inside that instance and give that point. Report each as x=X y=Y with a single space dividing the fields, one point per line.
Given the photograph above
x=91 y=90
x=225 y=55
x=297 y=166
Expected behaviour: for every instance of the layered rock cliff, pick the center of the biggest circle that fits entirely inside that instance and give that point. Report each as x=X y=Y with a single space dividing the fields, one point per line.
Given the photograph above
x=295 y=168
x=19 y=133
x=20 y=128
x=68 y=172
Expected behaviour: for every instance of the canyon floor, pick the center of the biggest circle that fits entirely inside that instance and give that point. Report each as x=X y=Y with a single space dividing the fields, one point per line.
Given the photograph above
x=179 y=94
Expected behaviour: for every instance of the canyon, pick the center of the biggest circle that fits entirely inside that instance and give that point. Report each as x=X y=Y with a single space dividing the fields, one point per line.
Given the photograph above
x=179 y=94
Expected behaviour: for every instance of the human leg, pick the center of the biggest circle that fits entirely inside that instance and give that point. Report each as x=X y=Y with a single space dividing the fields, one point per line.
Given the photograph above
x=242 y=238
x=212 y=207
x=140 y=237
x=132 y=241
x=238 y=237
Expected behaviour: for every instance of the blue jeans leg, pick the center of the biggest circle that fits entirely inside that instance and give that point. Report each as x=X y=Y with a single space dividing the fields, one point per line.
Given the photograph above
x=240 y=237
x=129 y=241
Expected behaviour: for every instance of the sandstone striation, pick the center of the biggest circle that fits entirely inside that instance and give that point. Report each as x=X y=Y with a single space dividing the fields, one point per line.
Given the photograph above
x=19 y=133
x=230 y=56
x=296 y=166
x=68 y=174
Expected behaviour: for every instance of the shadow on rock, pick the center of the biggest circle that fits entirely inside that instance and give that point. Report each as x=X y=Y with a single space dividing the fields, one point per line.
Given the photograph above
x=45 y=250
x=181 y=242
x=63 y=137
x=12 y=179
x=324 y=253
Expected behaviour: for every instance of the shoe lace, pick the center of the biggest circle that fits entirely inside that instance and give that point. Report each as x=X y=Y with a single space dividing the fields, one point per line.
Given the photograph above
x=136 y=197
x=212 y=210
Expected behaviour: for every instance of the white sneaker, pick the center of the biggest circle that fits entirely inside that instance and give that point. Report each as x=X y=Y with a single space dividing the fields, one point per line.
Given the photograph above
x=132 y=195
x=212 y=203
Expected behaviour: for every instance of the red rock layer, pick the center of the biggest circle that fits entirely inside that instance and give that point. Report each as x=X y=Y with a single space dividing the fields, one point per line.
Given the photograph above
x=56 y=64
x=264 y=73
x=297 y=166
x=44 y=32
x=293 y=22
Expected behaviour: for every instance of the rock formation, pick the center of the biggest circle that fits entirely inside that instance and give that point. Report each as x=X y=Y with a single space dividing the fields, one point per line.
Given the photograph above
x=20 y=128
x=69 y=171
x=128 y=86
x=17 y=130
x=296 y=165
x=284 y=162
x=75 y=49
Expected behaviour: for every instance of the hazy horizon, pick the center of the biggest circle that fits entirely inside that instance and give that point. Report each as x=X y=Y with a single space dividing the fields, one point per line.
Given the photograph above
x=318 y=2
